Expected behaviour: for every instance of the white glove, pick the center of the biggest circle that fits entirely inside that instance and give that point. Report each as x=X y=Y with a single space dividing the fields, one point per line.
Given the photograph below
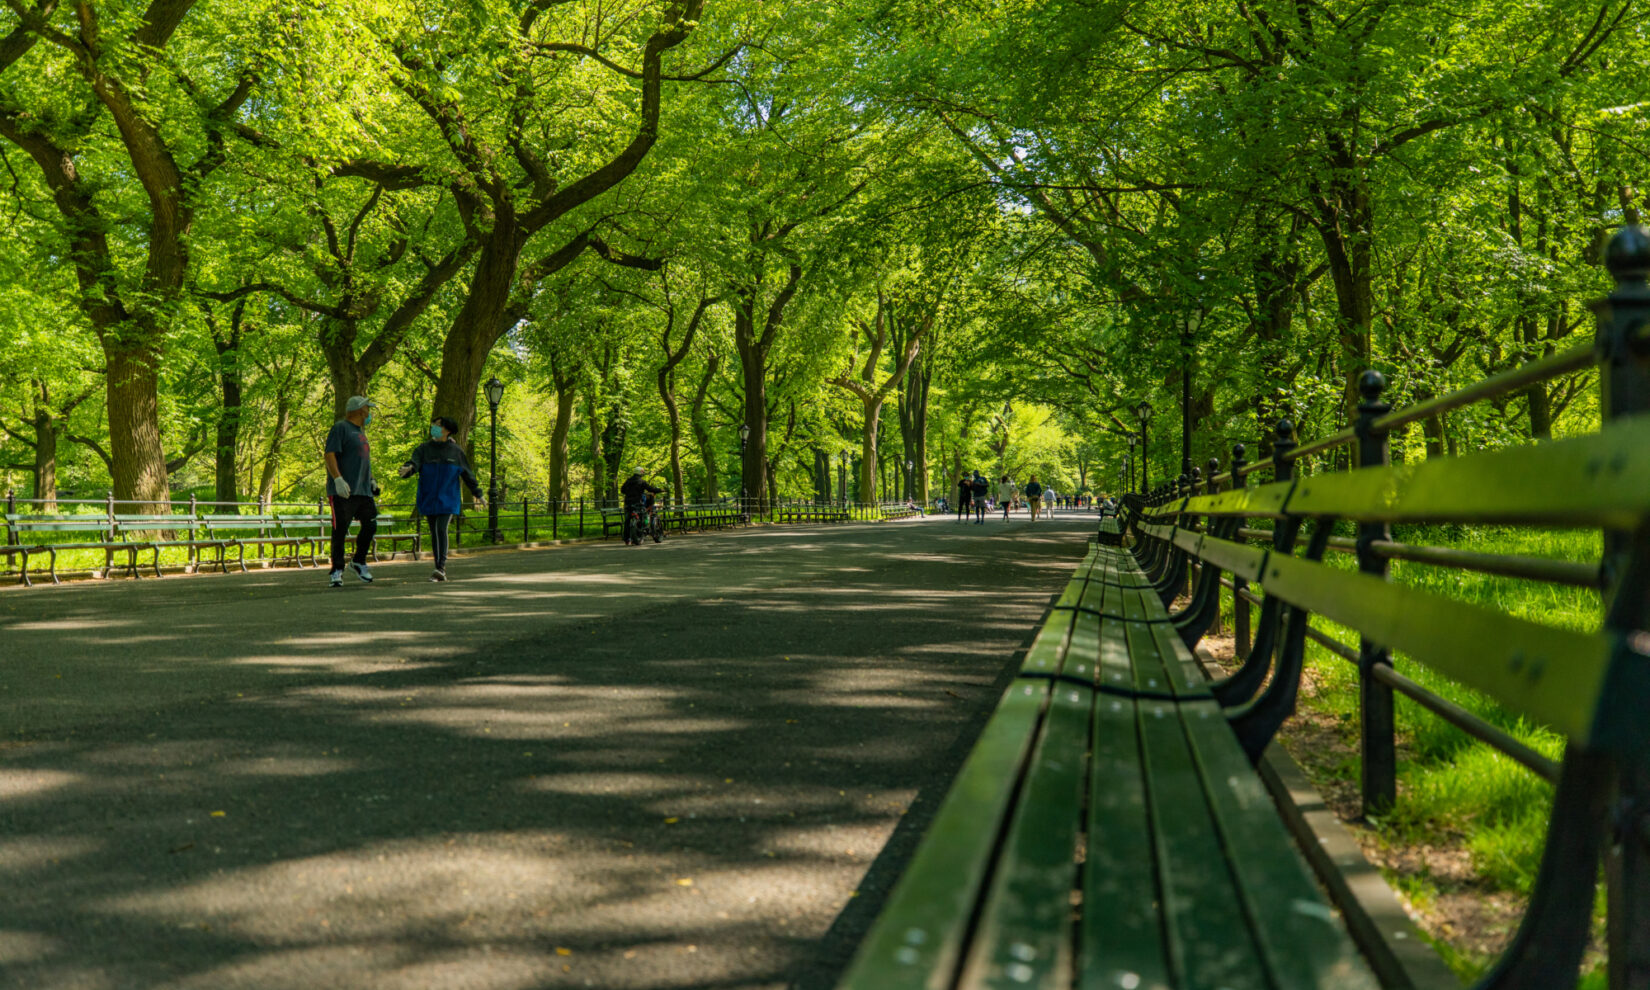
x=340 y=486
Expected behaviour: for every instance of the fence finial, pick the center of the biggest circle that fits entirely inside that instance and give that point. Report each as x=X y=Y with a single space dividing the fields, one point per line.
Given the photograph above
x=1627 y=256
x=1370 y=385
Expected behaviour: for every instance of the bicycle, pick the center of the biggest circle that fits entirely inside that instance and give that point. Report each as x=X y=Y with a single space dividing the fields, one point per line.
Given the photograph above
x=655 y=522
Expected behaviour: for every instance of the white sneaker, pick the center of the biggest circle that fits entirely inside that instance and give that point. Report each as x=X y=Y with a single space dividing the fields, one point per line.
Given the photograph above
x=361 y=571
x=439 y=575
x=336 y=579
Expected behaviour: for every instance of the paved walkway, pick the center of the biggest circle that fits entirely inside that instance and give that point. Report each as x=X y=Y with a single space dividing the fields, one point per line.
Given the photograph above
x=686 y=765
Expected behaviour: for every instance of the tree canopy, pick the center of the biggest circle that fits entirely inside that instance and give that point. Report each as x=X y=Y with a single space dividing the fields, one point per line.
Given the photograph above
x=766 y=248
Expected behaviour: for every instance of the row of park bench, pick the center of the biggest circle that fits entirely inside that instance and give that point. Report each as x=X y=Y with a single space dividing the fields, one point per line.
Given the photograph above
x=718 y=515
x=298 y=538
x=681 y=518
x=301 y=539
x=1109 y=829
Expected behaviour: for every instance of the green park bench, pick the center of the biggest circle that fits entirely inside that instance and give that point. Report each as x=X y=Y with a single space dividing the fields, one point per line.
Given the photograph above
x=1109 y=829
x=810 y=512
x=898 y=510
x=313 y=533
x=29 y=536
x=261 y=531
x=157 y=532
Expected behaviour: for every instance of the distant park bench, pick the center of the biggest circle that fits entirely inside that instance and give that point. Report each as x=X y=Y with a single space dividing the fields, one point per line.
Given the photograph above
x=1108 y=830
x=810 y=512
x=899 y=510
x=275 y=538
x=681 y=518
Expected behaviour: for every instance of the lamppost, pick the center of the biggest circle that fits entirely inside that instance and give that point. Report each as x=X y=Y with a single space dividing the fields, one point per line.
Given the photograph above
x=910 y=479
x=1144 y=411
x=1128 y=463
x=1187 y=339
x=495 y=394
x=842 y=476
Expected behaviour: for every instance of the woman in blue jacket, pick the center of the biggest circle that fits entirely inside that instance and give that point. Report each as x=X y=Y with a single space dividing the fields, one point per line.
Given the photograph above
x=440 y=464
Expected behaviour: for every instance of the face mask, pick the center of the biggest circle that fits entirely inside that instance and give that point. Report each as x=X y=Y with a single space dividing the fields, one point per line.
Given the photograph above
x=368 y=420
x=435 y=433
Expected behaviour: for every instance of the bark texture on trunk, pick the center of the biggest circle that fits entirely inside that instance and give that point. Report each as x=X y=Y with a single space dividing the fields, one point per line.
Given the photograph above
x=701 y=429
x=561 y=483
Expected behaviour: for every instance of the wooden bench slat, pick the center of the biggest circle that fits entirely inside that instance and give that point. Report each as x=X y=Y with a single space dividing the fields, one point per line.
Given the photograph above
x=1188 y=540
x=1208 y=938
x=1121 y=940
x=1185 y=676
x=1024 y=933
x=917 y=940
x=1301 y=941
x=1264 y=500
x=1598 y=480
x=1238 y=558
x=1554 y=675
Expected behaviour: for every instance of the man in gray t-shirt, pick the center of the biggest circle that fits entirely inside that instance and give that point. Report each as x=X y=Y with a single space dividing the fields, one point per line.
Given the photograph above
x=351 y=489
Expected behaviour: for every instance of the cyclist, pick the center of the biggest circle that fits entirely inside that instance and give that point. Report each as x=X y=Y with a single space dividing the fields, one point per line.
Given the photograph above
x=635 y=491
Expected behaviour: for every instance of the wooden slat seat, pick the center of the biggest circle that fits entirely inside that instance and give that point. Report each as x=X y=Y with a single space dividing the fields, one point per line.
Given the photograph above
x=1089 y=838
x=24 y=532
x=155 y=532
x=258 y=531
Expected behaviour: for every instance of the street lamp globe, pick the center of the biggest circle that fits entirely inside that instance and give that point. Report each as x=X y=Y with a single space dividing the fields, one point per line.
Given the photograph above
x=744 y=432
x=495 y=391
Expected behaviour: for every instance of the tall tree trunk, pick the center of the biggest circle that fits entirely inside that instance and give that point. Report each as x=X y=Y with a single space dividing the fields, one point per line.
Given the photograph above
x=480 y=322
x=277 y=440
x=753 y=366
x=667 y=392
x=138 y=468
x=561 y=483
x=702 y=432
x=344 y=371
x=230 y=378
x=46 y=431
x=598 y=491
x=614 y=434
x=1347 y=227
x=868 y=460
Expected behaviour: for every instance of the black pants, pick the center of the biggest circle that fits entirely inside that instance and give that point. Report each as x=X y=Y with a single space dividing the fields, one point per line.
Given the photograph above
x=438 y=537
x=963 y=508
x=360 y=508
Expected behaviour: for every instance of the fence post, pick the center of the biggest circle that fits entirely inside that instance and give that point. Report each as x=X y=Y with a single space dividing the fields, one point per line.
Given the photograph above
x=1240 y=605
x=581 y=518
x=1623 y=344
x=1379 y=786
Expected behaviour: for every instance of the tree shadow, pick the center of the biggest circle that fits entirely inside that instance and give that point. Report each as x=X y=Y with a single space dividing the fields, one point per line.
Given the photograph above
x=577 y=769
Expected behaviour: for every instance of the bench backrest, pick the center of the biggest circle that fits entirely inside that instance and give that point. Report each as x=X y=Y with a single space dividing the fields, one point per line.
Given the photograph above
x=229 y=526
x=19 y=523
x=1592 y=684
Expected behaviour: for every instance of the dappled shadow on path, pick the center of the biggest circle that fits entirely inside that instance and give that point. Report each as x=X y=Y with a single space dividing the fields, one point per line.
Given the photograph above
x=666 y=767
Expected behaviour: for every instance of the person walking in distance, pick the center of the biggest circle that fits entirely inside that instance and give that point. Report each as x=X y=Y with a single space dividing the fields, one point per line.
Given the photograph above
x=1034 y=496
x=440 y=465
x=980 y=487
x=351 y=489
x=1005 y=495
x=965 y=497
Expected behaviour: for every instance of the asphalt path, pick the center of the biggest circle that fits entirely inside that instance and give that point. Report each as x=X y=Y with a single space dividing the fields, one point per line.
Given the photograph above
x=697 y=764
